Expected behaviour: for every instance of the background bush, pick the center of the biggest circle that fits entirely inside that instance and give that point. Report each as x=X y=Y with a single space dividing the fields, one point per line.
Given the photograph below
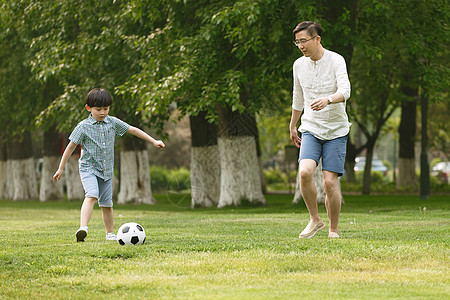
x=159 y=177
x=179 y=179
x=274 y=176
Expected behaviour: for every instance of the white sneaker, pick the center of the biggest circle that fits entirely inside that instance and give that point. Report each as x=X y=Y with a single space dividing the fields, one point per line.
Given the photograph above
x=81 y=234
x=111 y=237
x=311 y=229
x=333 y=234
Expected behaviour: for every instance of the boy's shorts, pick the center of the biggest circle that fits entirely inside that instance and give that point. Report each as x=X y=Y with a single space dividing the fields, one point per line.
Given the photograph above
x=332 y=152
x=98 y=188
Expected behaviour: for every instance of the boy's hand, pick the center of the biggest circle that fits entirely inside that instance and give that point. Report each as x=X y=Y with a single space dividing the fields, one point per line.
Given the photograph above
x=57 y=175
x=159 y=144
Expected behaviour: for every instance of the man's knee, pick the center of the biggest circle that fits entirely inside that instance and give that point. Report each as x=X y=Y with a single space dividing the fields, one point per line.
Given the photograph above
x=307 y=169
x=329 y=185
x=306 y=174
x=329 y=182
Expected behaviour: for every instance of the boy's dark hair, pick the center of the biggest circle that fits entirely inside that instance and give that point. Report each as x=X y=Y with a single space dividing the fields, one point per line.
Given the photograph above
x=312 y=28
x=98 y=98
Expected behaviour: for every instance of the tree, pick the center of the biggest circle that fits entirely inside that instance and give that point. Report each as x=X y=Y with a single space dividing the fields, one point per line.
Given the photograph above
x=18 y=88
x=224 y=65
x=86 y=46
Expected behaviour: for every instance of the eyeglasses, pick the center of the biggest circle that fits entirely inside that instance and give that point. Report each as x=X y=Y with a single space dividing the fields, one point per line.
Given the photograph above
x=302 y=42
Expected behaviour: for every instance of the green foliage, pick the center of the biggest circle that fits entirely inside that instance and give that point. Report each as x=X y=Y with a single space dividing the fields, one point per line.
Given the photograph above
x=274 y=176
x=376 y=176
x=163 y=179
x=179 y=180
x=273 y=131
x=220 y=55
x=205 y=54
x=159 y=178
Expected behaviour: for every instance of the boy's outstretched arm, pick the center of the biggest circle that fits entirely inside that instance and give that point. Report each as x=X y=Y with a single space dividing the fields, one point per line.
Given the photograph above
x=141 y=134
x=67 y=153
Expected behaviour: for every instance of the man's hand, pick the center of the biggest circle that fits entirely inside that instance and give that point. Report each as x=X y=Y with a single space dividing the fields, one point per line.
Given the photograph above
x=295 y=138
x=319 y=104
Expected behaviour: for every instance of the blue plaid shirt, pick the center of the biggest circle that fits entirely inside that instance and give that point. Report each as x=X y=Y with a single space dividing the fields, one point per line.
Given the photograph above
x=97 y=142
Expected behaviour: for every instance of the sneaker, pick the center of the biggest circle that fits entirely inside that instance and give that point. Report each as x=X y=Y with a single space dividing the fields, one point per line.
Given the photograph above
x=333 y=234
x=81 y=234
x=111 y=237
x=311 y=229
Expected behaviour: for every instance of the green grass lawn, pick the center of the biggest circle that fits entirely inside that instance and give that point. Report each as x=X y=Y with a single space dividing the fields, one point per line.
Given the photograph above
x=391 y=247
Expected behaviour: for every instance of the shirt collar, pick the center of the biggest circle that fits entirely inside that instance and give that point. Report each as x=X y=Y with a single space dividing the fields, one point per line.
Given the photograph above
x=322 y=59
x=94 y=121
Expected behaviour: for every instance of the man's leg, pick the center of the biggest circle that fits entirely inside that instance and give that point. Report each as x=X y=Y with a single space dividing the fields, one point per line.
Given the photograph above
x=308 y=188
x=333 y=198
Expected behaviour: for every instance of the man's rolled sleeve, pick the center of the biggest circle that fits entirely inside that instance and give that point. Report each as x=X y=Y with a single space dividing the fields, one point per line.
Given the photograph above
x=298 y=101
x=343 y=83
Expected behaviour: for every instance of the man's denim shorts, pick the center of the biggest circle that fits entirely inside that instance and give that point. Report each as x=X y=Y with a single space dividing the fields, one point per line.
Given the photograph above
x=332 y=152
x=98 y=188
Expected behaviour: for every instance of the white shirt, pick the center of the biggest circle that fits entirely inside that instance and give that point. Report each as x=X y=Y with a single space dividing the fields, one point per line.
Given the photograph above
x=316 y=79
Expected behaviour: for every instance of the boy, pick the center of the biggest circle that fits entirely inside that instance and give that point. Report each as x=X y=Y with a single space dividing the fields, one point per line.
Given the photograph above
x=96 y=135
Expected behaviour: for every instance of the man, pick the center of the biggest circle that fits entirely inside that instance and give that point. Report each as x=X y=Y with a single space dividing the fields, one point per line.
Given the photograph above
x=321 y=88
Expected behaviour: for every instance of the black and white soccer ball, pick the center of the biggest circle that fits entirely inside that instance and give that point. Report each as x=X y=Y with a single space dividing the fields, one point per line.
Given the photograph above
x=131 y=234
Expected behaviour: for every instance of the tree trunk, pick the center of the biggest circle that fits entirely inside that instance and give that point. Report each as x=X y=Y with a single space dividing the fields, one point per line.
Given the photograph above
x=261 y=175
x=135 y=183
x=367 y=177
x=352 y=153
x=240 y=177
x=318 y=181
x=3 y=179
x=240 y=173
x=407 y=134
x=205 y=163
x=75 y=190
x=22 y=169
x=3 y=172
x=205 y=176
x=51 y=190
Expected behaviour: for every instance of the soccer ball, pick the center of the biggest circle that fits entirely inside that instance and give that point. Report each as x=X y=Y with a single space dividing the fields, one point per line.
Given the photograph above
x=131 y=234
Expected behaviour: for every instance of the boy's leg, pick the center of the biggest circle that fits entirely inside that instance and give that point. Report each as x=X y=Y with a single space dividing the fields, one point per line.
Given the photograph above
x=106 y=204
x=86 y=210
x=108 y=219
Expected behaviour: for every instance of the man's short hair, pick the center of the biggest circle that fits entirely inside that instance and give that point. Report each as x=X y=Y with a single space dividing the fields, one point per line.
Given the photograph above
x=312 y=28
x=98 y=98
